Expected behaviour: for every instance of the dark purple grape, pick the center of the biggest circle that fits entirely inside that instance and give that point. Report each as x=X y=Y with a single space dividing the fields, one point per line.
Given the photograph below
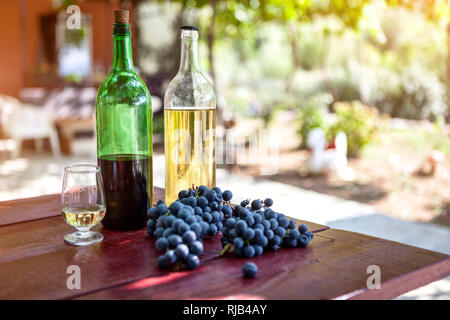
x=256 y=204
x=183 y=194
x=268 y=202
x=227 y=195
x=250 y=270
x=192 y=261
x=162 y=244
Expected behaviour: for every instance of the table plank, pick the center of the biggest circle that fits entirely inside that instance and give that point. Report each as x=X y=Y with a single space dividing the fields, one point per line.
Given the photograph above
x=16 y=211
x=124 y=264
x=34 y=238
x=41 y=259
x=20 y=210
x=121 y=258
x=333 y=266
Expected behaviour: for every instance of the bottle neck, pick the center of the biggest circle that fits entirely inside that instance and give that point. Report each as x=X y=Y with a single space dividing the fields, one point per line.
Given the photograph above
x=189 y=60
x=122 y=52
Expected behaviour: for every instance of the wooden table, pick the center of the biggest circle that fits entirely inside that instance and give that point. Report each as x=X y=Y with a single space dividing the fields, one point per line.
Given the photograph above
x=34 y=261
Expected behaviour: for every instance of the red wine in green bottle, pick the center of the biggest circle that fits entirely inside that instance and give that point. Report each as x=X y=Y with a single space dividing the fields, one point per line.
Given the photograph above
x=124 y=136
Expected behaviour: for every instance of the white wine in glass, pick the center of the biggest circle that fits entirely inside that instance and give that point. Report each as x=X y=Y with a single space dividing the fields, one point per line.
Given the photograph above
x=83 y=203
x=84 y=216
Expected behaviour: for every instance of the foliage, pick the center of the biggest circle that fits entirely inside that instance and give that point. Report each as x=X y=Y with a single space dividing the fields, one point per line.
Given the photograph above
x=73 y=78
x=314 y=114
x=158 y=124
x=242 y=19
x=393 y=56
x=346 y=82
x=270 y=113
x=359 y=122
x=434 y=10
x=312 y=48
x=75 y=37
x=419 y=95
x=440 y=137
x=411 y=92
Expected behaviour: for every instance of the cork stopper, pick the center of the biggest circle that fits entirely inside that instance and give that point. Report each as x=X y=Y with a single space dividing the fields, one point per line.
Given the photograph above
x=121 y=16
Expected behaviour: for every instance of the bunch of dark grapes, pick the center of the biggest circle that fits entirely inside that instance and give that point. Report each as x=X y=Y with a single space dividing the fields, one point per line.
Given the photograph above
x=255 y=227
x=181 y=227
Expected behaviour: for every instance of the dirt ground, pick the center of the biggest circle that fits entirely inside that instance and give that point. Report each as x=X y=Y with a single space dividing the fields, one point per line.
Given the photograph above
x=401 y=195
x=385 y=176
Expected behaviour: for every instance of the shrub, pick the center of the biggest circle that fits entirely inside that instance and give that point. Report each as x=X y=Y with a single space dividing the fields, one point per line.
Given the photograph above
x=421 y=96
x=439 y=136
x=314 y=114
x=412 y=92
x=312 y=52
x=347 y=82
x=359 y=122
x=158 y=124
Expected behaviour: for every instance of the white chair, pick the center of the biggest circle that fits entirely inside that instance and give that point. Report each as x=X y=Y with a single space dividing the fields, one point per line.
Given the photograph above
x=21 y=121
x=323 y=161
x=316 y=141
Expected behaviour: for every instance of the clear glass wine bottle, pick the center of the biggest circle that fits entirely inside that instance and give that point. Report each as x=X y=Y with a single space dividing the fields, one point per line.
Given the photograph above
x=189 y=123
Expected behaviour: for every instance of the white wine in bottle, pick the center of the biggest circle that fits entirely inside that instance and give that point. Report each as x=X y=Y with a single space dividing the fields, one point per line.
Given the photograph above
x=190 y=142
x=189 y=123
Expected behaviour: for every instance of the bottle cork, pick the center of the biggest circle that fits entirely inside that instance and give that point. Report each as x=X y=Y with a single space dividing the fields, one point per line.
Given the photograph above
x=121 y=16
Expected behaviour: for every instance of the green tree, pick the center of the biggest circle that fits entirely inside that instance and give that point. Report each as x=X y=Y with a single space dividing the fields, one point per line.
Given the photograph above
x=240 y=19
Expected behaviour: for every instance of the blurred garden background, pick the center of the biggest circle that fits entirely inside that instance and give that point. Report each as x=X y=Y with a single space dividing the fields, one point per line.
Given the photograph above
x=377 y=70
x=327 y=70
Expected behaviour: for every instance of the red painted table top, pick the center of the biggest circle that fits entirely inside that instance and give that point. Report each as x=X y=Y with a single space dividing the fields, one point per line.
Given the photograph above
x=34 y=261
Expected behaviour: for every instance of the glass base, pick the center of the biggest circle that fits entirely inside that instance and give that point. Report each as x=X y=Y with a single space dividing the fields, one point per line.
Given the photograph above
x=83 y=238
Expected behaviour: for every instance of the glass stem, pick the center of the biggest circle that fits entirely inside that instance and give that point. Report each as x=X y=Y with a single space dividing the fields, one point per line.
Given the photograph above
x=83 y=232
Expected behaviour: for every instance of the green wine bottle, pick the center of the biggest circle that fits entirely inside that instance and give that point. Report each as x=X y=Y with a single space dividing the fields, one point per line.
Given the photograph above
x=124 y=136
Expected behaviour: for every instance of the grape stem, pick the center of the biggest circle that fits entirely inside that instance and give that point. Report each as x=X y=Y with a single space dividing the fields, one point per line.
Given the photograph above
x=178 y=266
x=225 y=249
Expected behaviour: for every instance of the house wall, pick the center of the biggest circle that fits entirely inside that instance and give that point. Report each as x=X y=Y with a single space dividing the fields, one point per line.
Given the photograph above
x=10 y=48
x=21 y=46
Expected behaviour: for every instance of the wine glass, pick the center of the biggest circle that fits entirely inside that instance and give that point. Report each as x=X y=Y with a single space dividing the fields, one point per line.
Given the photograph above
x=83 y=201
